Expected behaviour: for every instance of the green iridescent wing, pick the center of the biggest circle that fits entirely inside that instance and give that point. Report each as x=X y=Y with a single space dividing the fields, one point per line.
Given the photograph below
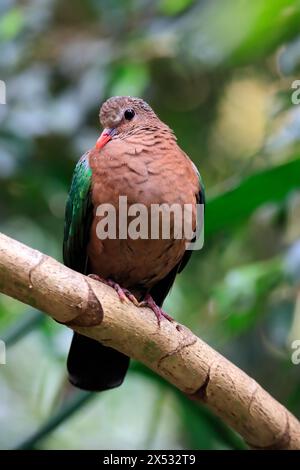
x=91 y=365
x=78 y=217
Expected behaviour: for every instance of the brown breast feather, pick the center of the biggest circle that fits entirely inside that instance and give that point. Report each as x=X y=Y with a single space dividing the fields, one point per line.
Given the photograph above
x=147 y=168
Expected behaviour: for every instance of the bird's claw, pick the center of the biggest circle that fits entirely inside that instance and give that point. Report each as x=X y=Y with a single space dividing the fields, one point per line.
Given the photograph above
x=124 y=294
x=158 y=311
x=96 y=278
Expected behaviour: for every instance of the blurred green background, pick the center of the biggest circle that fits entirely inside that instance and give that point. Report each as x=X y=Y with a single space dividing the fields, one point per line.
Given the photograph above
x=220 y=74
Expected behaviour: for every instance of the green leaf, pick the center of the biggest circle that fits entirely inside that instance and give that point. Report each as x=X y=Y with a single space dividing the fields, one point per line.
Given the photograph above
x=239 y=202
x=235 y=32
x=240 y=296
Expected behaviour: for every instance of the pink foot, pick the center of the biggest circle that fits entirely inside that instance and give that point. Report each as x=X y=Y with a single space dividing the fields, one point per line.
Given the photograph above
x=124 y=294
x=159 y=313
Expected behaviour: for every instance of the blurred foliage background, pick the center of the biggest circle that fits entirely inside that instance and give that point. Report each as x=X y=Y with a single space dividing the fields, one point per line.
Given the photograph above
x=220 y=74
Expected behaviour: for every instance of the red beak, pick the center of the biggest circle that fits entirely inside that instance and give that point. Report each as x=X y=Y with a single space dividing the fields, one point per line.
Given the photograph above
x=105 y=137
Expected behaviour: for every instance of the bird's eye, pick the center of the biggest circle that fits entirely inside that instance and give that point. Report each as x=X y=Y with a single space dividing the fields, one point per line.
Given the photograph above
x=129 y=114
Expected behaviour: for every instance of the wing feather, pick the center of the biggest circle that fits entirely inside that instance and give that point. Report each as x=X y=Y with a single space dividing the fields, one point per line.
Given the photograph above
x=78 y=217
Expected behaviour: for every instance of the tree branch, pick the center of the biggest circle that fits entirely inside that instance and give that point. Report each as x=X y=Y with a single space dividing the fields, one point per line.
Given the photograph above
x=171 y=350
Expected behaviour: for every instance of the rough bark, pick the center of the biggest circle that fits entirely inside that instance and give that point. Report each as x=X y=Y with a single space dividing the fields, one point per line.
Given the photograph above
x=171 y=350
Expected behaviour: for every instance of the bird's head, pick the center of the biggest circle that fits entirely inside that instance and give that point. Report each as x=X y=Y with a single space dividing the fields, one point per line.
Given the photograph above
x=120 y=115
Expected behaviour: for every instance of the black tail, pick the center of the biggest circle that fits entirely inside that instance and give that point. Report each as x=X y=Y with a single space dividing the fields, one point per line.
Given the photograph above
x=95 y=367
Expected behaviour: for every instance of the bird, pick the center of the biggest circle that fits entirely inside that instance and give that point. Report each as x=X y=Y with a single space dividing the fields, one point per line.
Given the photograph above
x=137 y=156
